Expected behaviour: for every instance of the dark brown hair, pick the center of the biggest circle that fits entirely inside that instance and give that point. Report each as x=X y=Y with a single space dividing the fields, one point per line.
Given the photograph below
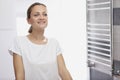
x=29 y=12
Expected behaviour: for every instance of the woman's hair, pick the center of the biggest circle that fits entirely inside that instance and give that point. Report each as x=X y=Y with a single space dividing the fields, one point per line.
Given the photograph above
x=29 y=12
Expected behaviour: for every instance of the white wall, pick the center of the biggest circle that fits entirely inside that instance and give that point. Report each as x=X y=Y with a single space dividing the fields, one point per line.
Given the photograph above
x=72 y=34
x=67 y=23
x=7 y=33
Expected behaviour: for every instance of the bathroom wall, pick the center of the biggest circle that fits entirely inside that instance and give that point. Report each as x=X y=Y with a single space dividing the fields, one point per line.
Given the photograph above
x=7 y=33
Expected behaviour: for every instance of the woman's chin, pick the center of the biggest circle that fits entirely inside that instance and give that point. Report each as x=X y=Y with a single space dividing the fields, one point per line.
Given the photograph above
x=42 y=27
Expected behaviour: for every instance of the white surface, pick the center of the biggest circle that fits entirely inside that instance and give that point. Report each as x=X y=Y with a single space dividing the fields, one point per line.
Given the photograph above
x=6 y=66
x=7 y=33
x=7 y=14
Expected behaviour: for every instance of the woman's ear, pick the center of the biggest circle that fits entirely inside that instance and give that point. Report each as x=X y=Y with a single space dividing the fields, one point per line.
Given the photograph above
x=29 y=21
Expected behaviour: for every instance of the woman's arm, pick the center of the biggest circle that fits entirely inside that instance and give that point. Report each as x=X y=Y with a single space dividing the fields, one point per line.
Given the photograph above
x=18 y=67
x=63 y=72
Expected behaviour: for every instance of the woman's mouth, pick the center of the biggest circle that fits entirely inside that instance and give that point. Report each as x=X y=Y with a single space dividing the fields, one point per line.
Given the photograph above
x=41 y=22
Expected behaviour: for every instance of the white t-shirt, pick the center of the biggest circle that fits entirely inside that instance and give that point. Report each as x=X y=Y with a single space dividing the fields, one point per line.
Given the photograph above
x=40 y=61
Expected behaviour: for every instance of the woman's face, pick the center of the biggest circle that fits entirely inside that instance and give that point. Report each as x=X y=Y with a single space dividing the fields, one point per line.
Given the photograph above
x=38 y=17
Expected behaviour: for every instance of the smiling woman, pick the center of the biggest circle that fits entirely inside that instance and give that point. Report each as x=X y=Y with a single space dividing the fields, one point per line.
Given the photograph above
x=36 y=57
x=68 y=27
x=34 y=16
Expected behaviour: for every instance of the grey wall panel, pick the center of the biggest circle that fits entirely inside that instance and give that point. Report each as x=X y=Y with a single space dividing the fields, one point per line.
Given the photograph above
x=97 y=75
x=116 y=16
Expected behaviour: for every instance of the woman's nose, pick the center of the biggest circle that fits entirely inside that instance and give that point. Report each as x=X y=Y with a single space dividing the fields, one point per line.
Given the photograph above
x=41 y=17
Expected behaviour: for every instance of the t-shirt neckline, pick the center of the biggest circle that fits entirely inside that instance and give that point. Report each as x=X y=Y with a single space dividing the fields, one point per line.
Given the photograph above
x=35 y=43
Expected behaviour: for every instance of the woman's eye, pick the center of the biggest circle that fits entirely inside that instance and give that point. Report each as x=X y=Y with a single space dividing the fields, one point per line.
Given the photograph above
x=36 y=15
x=39 y=14
x=45 y=14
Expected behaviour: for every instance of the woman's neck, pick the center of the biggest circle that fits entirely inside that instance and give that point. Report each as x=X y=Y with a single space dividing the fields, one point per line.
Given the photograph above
x=37 y=35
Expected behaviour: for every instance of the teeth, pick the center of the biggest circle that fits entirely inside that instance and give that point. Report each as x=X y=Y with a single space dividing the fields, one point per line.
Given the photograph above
x=41 y=22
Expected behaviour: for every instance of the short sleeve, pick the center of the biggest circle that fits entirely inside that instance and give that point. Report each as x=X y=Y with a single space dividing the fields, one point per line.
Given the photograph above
x=58 y=48
x=15 y=47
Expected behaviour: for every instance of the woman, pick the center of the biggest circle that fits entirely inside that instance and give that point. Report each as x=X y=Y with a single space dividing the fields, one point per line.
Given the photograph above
x=36 y=57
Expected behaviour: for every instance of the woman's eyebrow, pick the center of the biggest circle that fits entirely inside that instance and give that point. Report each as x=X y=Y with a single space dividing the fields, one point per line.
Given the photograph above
x=37 y=12
x=42 y=12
